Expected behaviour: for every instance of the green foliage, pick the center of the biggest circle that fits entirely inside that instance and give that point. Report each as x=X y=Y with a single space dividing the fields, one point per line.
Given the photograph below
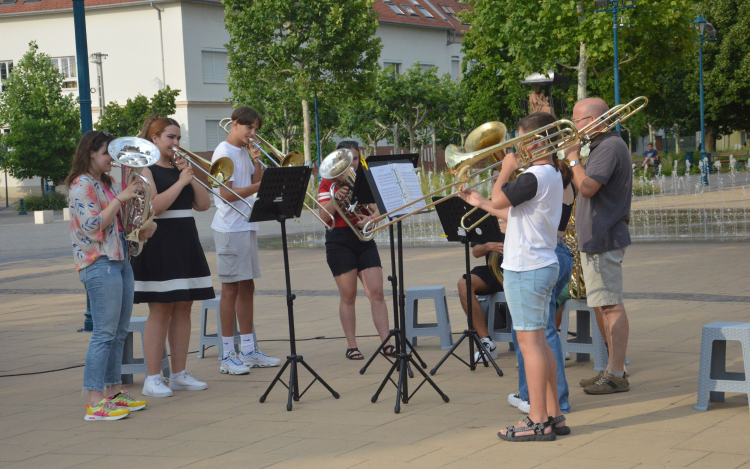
x=512 y=39
x=44 y=123
x=52 y=201
x=127 y=120
x=280 y=52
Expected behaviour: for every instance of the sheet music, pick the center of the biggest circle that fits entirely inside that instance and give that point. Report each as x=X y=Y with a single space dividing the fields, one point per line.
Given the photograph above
x=410 y=185
x=388 y=187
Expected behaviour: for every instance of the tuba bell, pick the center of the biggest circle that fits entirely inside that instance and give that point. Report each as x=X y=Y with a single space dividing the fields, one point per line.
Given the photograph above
x=135 y=154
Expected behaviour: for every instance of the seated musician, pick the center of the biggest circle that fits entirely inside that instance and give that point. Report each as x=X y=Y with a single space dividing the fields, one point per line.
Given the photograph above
x=350 y=259
x=483 y=282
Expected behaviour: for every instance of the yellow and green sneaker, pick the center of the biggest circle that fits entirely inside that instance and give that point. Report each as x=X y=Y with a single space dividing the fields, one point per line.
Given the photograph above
x=125 y=400
x=105 y=410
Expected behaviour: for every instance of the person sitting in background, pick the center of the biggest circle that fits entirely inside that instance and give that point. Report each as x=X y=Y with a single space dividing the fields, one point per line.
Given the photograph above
x=651 y=157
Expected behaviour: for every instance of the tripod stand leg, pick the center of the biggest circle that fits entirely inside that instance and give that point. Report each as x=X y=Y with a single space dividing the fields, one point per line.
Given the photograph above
x=401 y=393
x=273 y=383
x=485 y=354
x=315 y=375
x=292 y=384
x=450 y=352
x=414 y=352
x=385 y=380
x=392 y=333
x=432 y=383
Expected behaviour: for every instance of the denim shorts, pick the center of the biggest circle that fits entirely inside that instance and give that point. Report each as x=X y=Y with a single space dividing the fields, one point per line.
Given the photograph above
x=528 y=294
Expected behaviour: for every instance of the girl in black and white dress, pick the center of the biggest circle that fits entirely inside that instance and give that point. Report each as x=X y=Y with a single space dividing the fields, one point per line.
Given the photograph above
x=172 y=271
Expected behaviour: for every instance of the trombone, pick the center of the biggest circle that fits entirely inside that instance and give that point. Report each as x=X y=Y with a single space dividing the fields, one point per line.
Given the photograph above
x=462 y=162
x=218 y=174
x=293 y=158
x=611 y=119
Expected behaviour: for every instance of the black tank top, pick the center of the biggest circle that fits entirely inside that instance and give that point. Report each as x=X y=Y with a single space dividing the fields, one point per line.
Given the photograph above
x=164 y=178
x=567 y=209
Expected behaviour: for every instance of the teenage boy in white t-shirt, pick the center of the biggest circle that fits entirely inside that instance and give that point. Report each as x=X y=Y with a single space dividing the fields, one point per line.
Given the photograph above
x=237 y=244
x=530 y=271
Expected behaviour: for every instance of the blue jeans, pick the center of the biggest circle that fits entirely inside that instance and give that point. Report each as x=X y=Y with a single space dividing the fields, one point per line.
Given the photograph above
x=565 y=259
x=109 y=285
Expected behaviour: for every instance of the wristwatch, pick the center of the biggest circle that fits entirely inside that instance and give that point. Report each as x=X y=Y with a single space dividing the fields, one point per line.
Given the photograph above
x=573 y=163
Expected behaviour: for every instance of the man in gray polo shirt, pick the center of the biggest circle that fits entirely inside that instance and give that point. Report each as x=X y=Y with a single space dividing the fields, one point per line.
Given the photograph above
x=605 y=184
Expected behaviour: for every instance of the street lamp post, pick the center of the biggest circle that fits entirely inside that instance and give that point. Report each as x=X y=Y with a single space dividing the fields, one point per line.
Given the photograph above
x=706 y=33
x=613 y=6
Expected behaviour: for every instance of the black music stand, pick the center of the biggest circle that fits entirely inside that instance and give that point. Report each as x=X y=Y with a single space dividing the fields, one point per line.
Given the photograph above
x=404 y=358
x=280 y=197
x=450 y=213
x=363 y=194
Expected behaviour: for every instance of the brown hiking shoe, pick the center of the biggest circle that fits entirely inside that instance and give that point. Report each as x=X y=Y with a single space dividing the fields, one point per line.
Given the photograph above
x=588 y=382
x=608 y=384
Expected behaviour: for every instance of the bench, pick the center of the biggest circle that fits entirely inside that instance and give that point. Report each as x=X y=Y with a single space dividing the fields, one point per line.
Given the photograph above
x=740 y=158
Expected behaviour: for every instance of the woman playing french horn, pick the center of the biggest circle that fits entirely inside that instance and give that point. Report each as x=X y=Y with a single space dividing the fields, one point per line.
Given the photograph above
x=101 y=256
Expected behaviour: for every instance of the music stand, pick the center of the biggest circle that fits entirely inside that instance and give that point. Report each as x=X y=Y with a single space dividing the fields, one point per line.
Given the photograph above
x=362 y=192
x=280 y=197
x=450 y=213
x=403 y=357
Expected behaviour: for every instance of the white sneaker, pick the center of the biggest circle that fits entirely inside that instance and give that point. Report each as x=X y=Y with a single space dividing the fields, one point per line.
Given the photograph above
x=516 y=401
x=489 y=344
x=184 y=381
x=258 y=359
x=567 y=356
x=156 y=388
x=232 y=365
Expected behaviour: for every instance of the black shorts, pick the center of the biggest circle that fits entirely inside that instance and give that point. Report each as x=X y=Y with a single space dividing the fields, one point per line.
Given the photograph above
x=345 y=252
x=483 y=272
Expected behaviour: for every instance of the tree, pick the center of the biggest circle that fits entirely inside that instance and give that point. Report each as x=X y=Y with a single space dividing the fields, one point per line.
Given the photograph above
x=515 y=38
x=408 y=99
x=323 y=45
x=44 y=123
x=359 y=118
x=127 y=120
x=726 y=69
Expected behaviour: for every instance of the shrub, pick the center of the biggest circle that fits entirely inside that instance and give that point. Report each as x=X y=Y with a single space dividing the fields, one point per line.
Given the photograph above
x=53 y=201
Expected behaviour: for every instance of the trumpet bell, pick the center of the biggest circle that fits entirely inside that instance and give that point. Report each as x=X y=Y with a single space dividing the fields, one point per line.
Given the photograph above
x=293 y=158
x=134 y=152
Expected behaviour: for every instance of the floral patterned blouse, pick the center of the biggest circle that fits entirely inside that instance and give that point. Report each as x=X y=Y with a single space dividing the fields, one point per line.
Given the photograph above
x=86 y=200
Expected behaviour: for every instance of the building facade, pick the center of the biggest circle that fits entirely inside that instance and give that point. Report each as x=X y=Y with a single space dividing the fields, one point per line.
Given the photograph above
x=181 y=43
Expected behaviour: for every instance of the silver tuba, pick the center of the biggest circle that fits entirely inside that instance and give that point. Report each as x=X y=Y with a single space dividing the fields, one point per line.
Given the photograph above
x=135 y=154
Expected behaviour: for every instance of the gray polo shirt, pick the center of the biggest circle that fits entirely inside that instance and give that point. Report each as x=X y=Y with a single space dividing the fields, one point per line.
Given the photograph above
x=602 y=220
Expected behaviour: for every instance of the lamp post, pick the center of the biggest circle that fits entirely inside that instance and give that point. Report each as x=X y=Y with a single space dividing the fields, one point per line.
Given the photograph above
x=706 y=33
x=613 y=6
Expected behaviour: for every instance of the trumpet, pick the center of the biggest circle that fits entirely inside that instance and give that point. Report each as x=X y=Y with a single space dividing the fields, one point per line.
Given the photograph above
x=554 y=137
x=218 y=173
x=293 y=158
x=135 y=154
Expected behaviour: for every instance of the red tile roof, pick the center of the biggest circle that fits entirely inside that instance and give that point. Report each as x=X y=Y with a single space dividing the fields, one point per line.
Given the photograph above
x=440 y=18
x=23 y=6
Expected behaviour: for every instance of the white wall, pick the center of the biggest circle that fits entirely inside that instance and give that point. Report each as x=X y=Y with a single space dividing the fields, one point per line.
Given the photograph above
x=409 y=44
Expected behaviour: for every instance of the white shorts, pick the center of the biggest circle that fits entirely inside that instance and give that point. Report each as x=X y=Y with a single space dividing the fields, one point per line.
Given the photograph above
x=237 y=256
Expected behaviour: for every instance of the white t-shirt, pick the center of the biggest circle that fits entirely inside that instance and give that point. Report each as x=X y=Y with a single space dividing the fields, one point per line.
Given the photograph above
x=227 y=220
x=531 y=235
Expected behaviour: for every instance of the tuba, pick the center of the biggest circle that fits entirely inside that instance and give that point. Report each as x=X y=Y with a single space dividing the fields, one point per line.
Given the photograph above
x=135 y=154
x=576 y=286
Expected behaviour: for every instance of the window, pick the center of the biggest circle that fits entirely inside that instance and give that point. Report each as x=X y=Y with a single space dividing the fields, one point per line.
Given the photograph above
x=421 y=9
x=393 y=7
x=409 y=10
x=455 y=68
x=5 y=68
x=214 y=66
x=67 y=66
x=447 y=9
x=8 y=2
x=426 y=66
x=214 y=134
x=396 y=66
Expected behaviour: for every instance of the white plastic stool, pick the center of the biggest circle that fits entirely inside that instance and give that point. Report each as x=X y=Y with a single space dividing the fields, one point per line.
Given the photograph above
x=588 y=340
x=215 y=339
x=132 y=366
x=441 y=329
x=713 y=378
x=489 y=304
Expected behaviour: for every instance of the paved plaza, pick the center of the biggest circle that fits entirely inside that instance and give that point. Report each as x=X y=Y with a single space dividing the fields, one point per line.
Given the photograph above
x=672 y=290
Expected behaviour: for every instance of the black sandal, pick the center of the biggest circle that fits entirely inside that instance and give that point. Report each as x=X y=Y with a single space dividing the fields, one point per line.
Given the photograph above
x=354 y=354
x=559 y=431
x=389 y=351
x=537 y=428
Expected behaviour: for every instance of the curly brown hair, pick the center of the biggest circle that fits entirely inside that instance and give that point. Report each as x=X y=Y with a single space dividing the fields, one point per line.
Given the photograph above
x=91 y=141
